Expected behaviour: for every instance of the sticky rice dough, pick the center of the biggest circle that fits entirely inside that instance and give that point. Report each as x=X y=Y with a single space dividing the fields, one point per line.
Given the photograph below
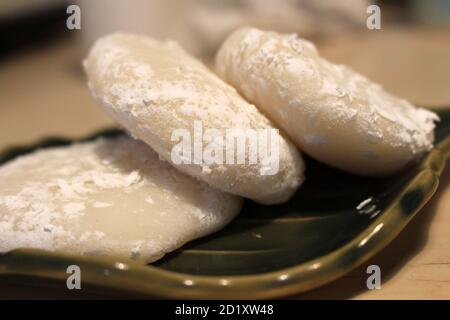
x=110 y=197
x=155 y=89
x=331 y=112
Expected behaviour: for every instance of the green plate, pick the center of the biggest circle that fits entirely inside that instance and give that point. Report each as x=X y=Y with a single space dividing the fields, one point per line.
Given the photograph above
x=325 y=231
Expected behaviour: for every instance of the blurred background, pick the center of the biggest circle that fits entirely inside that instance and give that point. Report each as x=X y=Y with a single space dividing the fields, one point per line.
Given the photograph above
x=43 y=90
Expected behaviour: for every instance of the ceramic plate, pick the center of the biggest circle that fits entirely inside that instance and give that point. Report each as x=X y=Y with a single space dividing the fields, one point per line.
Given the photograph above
x=334 y=223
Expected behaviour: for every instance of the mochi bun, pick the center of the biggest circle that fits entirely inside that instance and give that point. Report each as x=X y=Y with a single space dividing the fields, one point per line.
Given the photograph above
x=158 y=92
x=332 y=113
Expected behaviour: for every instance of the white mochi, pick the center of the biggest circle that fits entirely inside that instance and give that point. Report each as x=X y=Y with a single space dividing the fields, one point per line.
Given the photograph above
x=110 y=197
x=331 y=112
x=154 y=88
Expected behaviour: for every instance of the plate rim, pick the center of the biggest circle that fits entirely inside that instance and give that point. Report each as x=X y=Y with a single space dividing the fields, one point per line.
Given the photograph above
x=153 y=281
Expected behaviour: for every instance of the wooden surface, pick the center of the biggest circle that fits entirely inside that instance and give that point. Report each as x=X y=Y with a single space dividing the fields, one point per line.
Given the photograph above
x=43 y=92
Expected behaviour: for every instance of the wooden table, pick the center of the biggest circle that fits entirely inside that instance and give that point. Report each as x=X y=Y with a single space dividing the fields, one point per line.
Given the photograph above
x=43 y=93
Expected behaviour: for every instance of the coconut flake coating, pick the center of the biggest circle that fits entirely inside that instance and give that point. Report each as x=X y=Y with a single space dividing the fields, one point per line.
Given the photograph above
x=110 y=197
x=153 y=88
x=331 y=112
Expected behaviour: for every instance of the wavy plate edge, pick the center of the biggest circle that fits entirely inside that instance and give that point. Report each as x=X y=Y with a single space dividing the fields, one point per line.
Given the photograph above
x=155 y=282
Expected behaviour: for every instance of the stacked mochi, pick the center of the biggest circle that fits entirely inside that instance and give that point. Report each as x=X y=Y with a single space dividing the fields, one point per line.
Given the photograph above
x=130 y=197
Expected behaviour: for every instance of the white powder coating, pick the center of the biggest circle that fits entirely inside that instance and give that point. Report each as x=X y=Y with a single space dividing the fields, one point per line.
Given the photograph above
x=93 y=198
x=153 y=88
x=331 y=112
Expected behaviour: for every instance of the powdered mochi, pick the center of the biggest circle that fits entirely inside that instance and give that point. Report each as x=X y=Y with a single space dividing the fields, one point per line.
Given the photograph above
x=111 y=197
x=331 y=112
x=155 y=89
